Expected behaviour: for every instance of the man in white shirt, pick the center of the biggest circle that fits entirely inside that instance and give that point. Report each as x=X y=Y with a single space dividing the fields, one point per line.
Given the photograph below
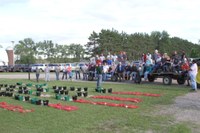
x=110 y=56
x=105 y=71
x=193 y=73
x=114 y=58
x=102 y=57
x=47 y=71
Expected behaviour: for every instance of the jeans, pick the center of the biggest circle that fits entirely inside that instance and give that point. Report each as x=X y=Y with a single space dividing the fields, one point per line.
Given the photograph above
x=37 y=77
x=193 y=81
x=57 y=75
x=78 y=74
x=70 y=74
x=104 y=76
x=120 y=75
x=126 y=74
x=47 y=77
x=64 y=75
x=99 y=80
x=133 y=75
x=146 y=75
x=85 y=76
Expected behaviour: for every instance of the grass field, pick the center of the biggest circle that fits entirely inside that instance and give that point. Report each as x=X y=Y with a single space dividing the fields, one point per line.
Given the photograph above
x=95 y=118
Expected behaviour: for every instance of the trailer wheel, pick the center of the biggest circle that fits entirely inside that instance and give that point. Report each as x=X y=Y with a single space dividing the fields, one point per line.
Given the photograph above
x=181 y=80
x=151 y=78
x=90 y=78
x=167 y=80
x=114 y=78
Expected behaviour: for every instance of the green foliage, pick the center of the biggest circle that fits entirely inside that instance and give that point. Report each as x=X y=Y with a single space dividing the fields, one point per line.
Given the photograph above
x=138 y=43
x=103 y=42
x=26 y=51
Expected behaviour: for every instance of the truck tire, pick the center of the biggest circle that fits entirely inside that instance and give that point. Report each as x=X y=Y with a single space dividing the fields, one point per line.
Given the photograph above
x=90 y=78
x=167 y=80
x=151 y=78
x=181 y=80
x=114 y=78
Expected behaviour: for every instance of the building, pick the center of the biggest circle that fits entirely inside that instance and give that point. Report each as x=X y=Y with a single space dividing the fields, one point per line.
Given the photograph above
x=7 y=56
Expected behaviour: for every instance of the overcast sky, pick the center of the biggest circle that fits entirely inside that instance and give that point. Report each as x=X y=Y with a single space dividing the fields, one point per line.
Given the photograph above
x=72 y=21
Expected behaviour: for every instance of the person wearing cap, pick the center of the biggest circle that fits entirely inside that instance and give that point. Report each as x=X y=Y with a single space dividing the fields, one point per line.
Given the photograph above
x=193 y=73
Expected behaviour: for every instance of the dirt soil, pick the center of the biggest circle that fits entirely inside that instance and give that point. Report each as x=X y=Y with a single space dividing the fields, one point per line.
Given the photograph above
x=185 y=109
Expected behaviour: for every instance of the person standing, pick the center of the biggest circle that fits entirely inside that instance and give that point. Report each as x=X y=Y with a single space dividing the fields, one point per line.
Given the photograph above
x=64 y=76
x=84 y=70
x=77 y=71
x=99 y=71
x=47 y=71
x=57 y=71
x=105 y=71
x=37 y=74
x=114 y=58
x=69 y=71
x=193 y=73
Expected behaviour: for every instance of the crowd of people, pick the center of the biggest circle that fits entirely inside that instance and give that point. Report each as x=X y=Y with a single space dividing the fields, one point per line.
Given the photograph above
x=103 y=65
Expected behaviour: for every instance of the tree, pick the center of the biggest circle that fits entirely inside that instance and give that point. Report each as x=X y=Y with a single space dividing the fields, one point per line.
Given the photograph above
x=92 y=45
x=76 y=51
x=25 y=50
x=47 y=48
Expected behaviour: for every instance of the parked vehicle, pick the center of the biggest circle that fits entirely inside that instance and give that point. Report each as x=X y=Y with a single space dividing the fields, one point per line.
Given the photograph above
x=21 y=68
x=41 y=67
x=4 y=68
x=79 y=65
x=52 y=67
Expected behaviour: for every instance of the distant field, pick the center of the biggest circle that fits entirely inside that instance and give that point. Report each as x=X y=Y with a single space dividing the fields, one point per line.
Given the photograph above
x=94 y=118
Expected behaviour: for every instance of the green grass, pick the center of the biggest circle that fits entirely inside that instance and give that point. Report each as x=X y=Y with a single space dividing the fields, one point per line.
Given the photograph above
x=94 y=118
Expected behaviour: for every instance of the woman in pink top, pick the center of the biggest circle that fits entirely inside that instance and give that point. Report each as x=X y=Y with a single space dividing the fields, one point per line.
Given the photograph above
x=69 y=71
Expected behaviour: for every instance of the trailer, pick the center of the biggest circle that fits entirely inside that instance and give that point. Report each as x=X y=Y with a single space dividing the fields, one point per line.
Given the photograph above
x=168 y=76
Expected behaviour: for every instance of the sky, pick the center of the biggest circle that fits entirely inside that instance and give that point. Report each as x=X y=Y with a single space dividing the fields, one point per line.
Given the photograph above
x=72 y=21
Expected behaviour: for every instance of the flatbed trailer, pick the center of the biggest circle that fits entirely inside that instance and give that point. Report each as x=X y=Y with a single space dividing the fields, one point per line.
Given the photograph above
x=167 y=77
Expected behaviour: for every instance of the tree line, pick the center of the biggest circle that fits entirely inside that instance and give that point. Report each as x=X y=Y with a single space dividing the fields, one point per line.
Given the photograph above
x=105 y=41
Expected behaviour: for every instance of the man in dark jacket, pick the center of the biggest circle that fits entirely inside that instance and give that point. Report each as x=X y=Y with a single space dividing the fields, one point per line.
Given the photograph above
x=120 y=71
x=99 y=71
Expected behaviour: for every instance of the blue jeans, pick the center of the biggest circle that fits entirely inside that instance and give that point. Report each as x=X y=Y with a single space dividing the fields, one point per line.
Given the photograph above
x=37 y=77
x=64 y=75
x=57 y=75
x=104 y=76
x=85 y=75
x=193 y=81
x=47 y=77
x=99 y=80
x=146 y=75
x=133 y=75
x=78 y=75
